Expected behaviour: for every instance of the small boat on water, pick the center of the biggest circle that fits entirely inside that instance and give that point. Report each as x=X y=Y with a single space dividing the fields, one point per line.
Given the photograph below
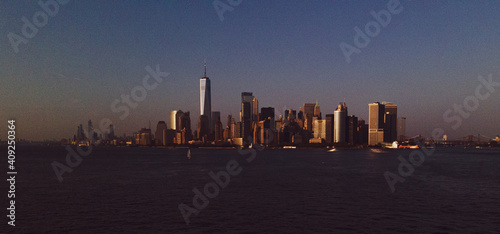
x=332 y=149
x=408 y=147
x=378 y=150
x=189 y=154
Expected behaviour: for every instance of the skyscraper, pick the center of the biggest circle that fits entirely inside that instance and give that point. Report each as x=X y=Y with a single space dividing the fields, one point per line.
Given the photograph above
x=317 y=110
x=340 y=122
x=160 y=128
x=144 y=136
x=309 y=108
x=352 y=130
x=238 y=130
x=329 y=128
x=203 y=128
x=218 y=130
x=246 y=114
x=205 y=97
x=229 y=120
x=376 y=123
x=255 y=109
x=111 y=132
x=308 y=114
x=320 y=129
x=174 y=119
x=401 y=128
x=390 y=122
x=247 y=97
x=362 y=132
x=184 y=122
x=268 y=113
x=214 y=119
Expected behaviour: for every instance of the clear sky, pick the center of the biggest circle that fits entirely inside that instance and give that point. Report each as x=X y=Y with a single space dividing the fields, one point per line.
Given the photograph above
x=287 y=53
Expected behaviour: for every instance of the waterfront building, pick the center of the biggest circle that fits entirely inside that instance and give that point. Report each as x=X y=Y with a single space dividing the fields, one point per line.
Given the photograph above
x=376 y=114
x=246 y=114
x=203 y=130
x=390 y=122
x=255 y=109
x=401 y=128
x=329 y=124
x=320 y=129
x=160 y=129
x=308 y=114
x=174 y=116
x=352 y=130
x=317 y=111
x=205 y=97
x=340 y=123
x=362 y=132
x=215 y=117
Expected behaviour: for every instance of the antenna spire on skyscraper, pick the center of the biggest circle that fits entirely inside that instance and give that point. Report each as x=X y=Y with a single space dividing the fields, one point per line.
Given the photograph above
x=205 y=68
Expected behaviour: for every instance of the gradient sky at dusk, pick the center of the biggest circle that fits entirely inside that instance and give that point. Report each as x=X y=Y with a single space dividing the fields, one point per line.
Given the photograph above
x=287 y=54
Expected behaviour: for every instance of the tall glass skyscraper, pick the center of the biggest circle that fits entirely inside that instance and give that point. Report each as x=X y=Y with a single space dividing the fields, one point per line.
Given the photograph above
x=246 y=114
x=376 y=114
x=390 y=120
x=174 y=115
x=340 y=124
x=205 y=97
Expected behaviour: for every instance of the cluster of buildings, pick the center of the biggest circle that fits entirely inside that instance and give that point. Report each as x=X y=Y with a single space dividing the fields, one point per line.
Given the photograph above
x=305 y=126
x=91 y=137
x=260 y=126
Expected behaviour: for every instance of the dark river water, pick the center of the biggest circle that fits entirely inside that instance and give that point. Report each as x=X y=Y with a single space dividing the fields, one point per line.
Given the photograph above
x=136 y=190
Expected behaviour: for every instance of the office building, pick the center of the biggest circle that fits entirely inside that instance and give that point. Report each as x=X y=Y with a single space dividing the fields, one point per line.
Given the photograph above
x=308 y=114
x=214 y=119
x=184 y=121
x=352 y=130
x=401 y=128
x=144 y=137
x=376 y=125
x=320 y=129
x=173 y=118
x=205 y=97
x=169 y=136
x=229 y=120
x=340 y=122
x=246 y=114
x=362 y=132
x=317 y=111
x=203 y=130
x=160 y=129
x=238 y=130
x=219 y=131
x=329 y=124
x=255 y=109
x=267 y=112
x=390 y=122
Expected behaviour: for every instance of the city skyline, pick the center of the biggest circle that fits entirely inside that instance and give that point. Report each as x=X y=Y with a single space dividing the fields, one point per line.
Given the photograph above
x=426 y=60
